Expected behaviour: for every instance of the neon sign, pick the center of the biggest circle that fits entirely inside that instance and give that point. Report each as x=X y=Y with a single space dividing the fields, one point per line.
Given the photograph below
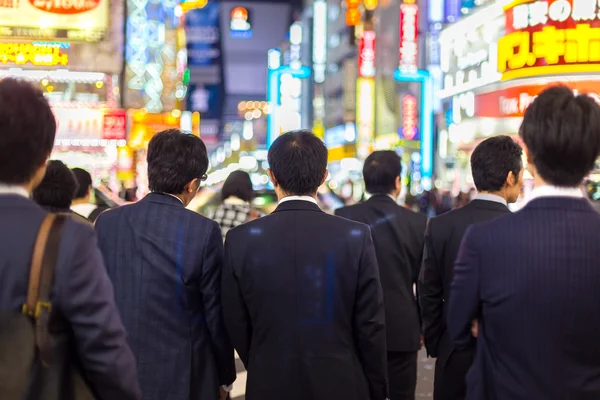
x=240 y=25
x=366 y=55
x=35 y=54
x=409 y=24
x=550 y=37
x=409 y=120
x=365 y=116
x=352 y=12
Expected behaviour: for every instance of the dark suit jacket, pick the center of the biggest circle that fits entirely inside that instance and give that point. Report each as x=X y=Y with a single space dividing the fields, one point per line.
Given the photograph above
x=442 y=241
x=304 y=307
x=398 y=238
x=82 y=293
x=532 y=280
x=165 y=263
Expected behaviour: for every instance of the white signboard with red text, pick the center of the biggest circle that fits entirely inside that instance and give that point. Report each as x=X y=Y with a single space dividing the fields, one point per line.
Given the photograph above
x=89 y=124
x=85 y=20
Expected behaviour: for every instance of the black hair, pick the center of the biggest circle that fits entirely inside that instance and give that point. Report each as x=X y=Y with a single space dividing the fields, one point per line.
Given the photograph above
x=175 y=159
x=493 y=159
x=57 y=189
x=562 y=133
x=27 y=131
x=238 y=184
x=84 y=181
x=380 y=171
x=298 y=161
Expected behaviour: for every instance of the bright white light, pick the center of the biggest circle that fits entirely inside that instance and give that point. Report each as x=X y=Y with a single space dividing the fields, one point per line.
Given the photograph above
x=248 y=130
x=443 y=144
x=235 y=142
x=350 y=132
x=248 y=163
x=296 y=33
x=274 y=58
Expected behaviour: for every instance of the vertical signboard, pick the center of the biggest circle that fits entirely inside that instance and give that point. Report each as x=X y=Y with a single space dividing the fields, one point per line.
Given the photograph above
x=409 y=29
x=206 y=90
x=202 y=28
x=319 y=53
x=366 y=55
x=365 y=116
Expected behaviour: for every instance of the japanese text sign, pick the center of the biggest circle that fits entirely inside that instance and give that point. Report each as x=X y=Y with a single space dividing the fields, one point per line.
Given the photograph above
x=550 y=37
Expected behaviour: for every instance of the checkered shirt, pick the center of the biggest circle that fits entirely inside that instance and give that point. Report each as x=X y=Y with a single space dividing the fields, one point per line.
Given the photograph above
x=228 y=216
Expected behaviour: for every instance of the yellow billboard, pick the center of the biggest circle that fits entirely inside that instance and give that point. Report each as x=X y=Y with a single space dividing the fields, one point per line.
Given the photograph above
x=69 y=20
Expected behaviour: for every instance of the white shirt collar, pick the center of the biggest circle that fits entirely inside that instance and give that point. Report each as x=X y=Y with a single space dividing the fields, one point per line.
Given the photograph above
x=555 y=191
x=490 y=197
x=298 y=198
x=169 y=194
x=13 y=189
x=84 y=209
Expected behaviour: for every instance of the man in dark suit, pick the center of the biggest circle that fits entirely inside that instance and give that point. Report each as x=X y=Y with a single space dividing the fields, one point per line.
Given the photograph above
x=165 y=262
x=398 y=238
x=497 y=169
x=531 y=279
x=301 y=292
x=82 y=203
x=82 y=292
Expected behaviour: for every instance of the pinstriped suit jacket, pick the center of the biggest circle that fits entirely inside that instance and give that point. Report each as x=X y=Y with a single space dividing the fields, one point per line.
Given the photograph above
x=532 y=279
x=165 y=263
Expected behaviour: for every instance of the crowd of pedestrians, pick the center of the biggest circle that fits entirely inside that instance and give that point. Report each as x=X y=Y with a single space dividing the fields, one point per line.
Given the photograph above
x=149 y=303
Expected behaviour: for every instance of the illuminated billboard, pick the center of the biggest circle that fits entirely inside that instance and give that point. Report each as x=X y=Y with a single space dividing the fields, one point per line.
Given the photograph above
x=365 y=116
x=32 y=53
x=366 y=55
x=409 y=31
x=550 y=37
x=73 y=20
x=240 y=25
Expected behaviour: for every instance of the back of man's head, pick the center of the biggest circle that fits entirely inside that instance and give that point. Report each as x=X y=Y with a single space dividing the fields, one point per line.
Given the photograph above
x=175 y=159
x=493 y=160
x=381 y=171
x=561 y=132
x=27 y=131
x=57 y=189
x=84 y=182
x=298 y=162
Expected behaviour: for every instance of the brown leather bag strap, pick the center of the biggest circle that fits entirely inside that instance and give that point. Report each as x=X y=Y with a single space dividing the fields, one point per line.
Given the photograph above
x=41 y=276
x=44 y=307
x=35 y=270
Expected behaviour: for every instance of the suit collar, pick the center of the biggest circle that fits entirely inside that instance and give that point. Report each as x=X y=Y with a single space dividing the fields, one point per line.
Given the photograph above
x=553 y=203
x=166 y=199
x=297 y=205
x=488 y=205
x=16 y=200
x=382 y=198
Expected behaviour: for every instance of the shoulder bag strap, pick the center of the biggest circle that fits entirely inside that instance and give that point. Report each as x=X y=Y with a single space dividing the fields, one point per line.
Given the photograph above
x=41 y=276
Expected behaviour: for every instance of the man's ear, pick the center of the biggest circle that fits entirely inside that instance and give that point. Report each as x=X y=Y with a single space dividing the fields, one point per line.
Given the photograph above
x=528 y=155
x=511 y=179
x=325 y=177
x=272 y=178
x=192 y=186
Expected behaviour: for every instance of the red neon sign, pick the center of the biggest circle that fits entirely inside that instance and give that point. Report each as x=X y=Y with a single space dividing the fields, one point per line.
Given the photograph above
x=366 y=55
x=409 y=120
x=409 y=28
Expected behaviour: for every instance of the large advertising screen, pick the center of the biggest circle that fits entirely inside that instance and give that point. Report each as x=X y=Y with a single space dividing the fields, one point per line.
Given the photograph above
x=73 y=20
x=202 y=28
